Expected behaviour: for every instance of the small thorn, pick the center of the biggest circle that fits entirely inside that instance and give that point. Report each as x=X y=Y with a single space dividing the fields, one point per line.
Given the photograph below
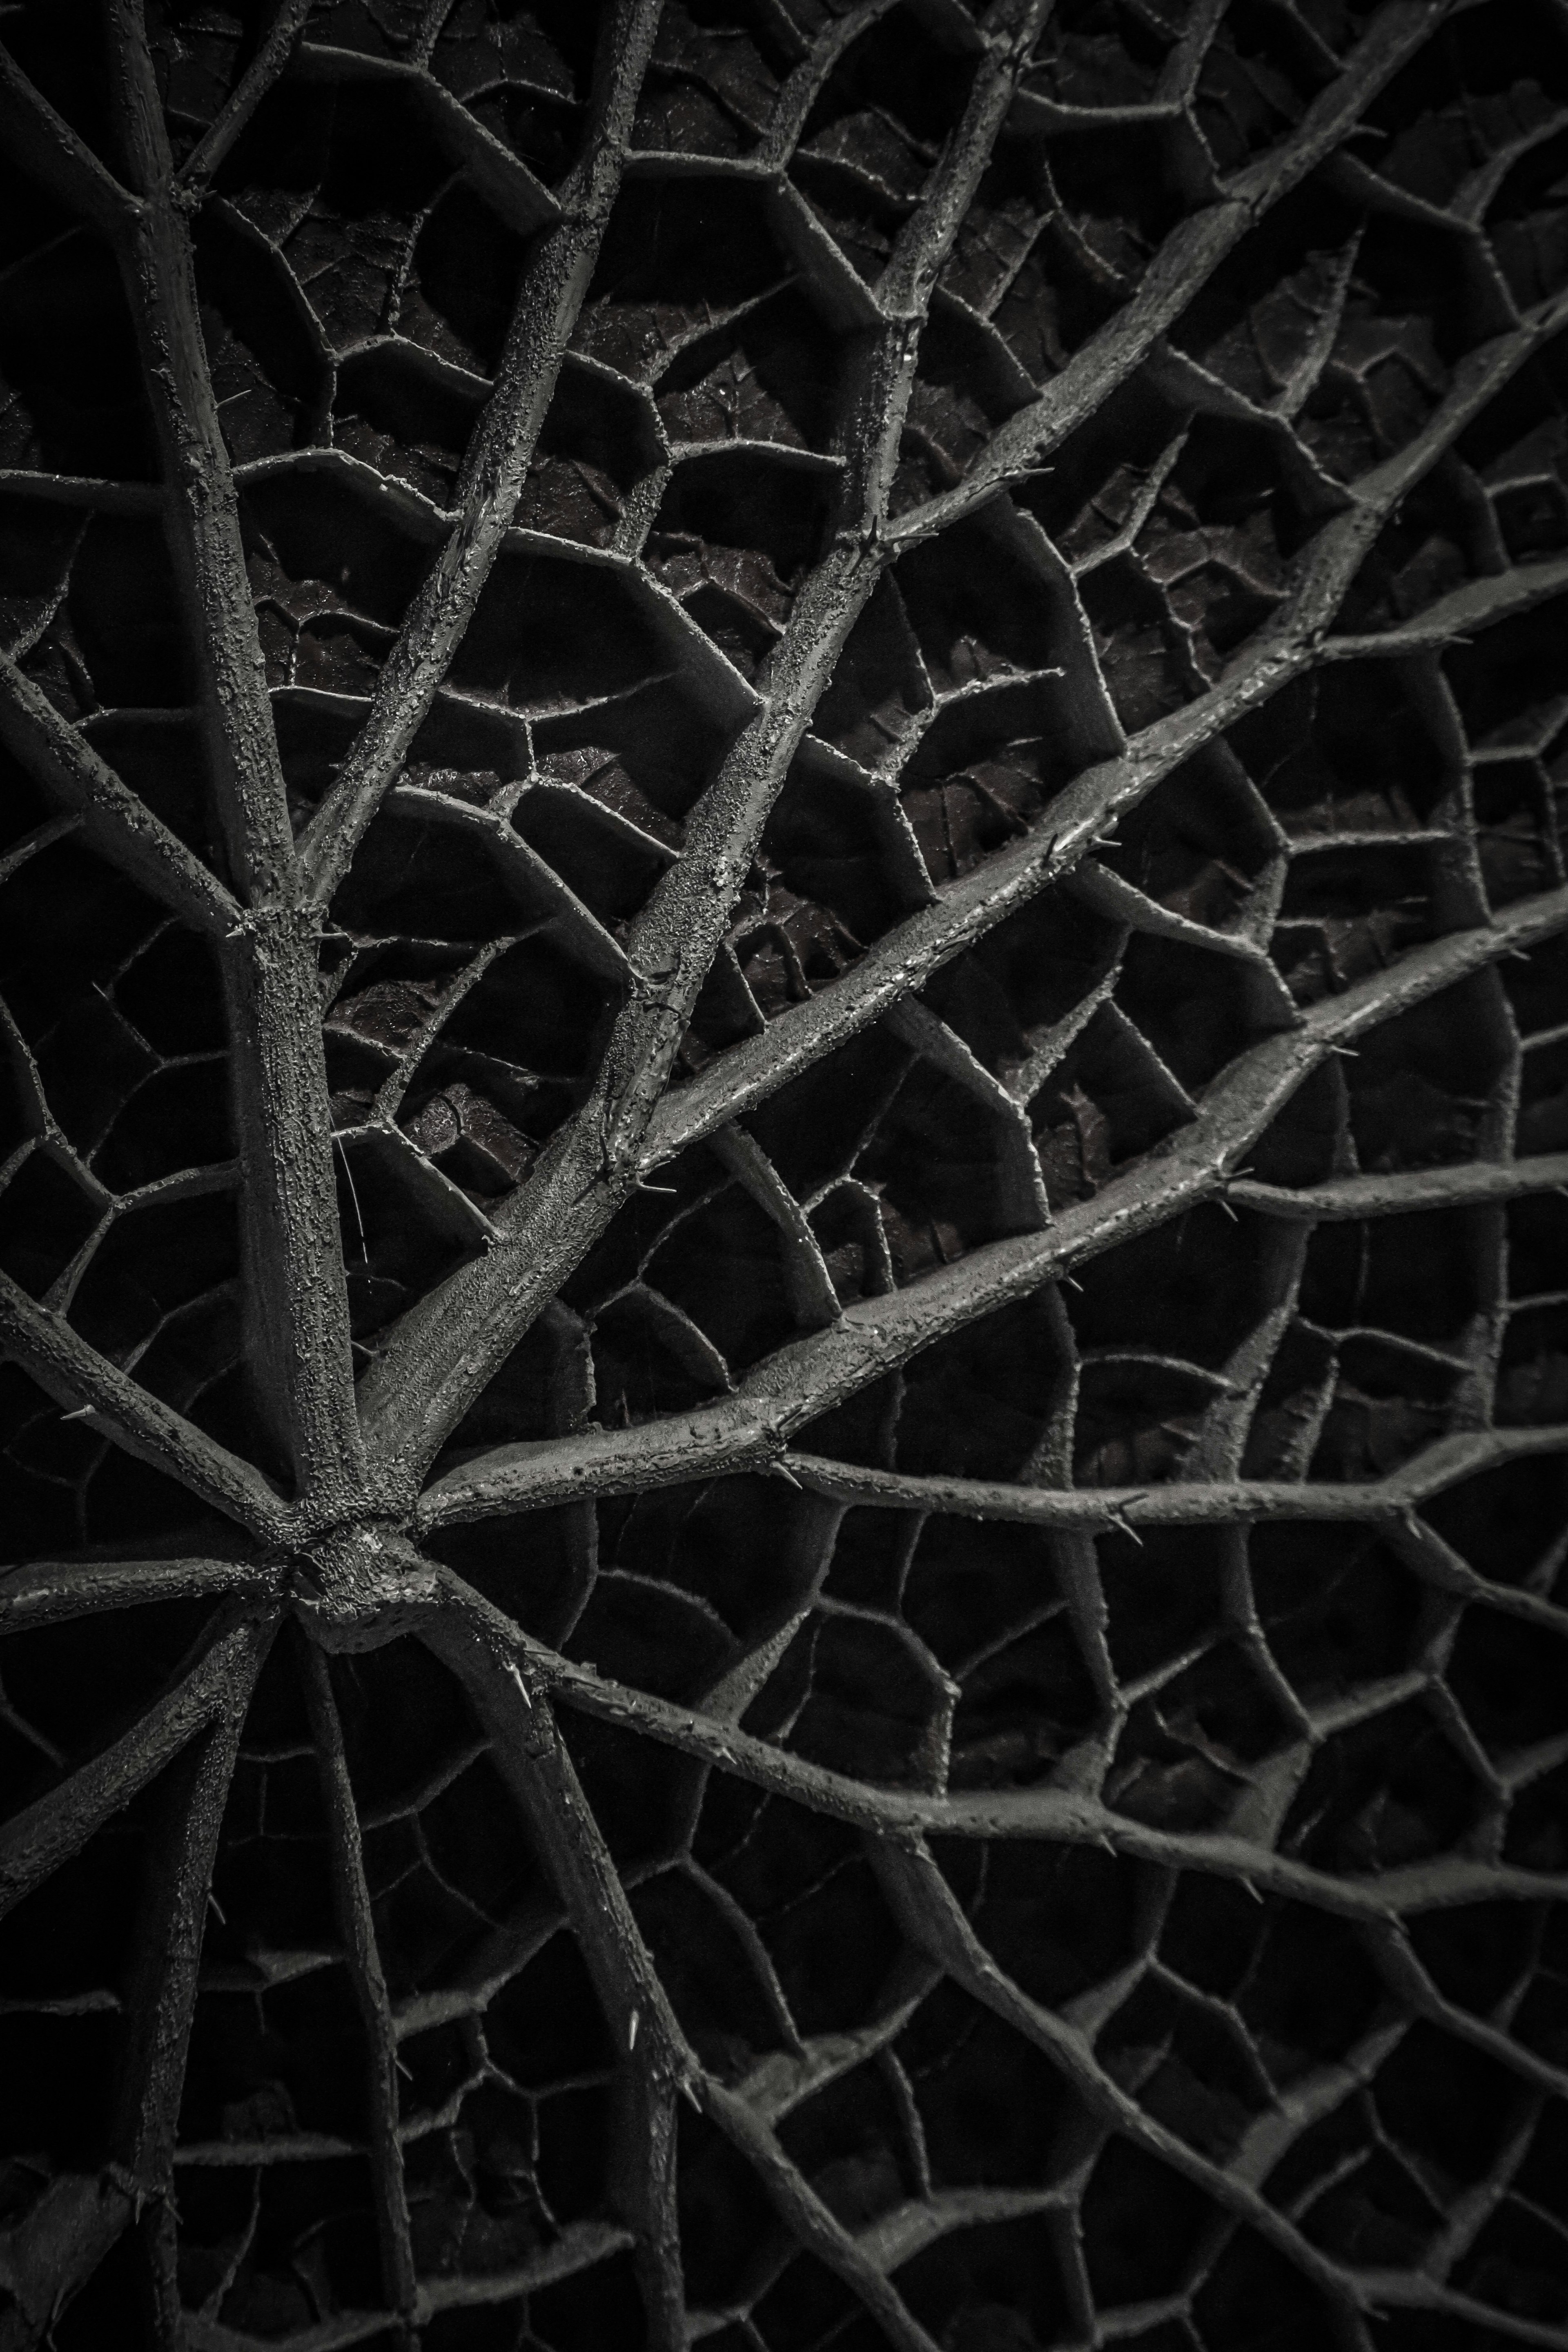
x=81 y=1413
x=515 y=1671
x=689 y=2091
x=783 y=1470
x=407 y=2072
x=643 y=1186
x=217 y=1906
x=632 y=2031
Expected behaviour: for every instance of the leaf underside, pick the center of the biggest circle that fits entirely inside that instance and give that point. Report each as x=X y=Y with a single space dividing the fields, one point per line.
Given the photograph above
x=783 y=1267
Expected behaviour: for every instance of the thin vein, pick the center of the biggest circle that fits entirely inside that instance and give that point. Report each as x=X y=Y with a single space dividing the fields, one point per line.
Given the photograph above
x=36 y=1840
x=86 y=1383
x=117 y=823
x=440 y=1355
x=265 y=68
x=45 y=146
x=907 y=956
x=1063 y=1816
x=809 y=1377
x=1187 y=259
x=356 y=1925
x=548 y=301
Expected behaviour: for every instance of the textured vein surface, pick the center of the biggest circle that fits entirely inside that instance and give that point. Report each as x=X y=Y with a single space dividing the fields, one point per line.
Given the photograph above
x=783 y=1257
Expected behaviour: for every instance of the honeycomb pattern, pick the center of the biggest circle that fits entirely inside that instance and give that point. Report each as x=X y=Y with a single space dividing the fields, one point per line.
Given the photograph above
x=783 y=1275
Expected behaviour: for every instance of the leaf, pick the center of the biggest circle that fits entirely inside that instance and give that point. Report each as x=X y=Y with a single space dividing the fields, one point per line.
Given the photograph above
x=781 y=956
